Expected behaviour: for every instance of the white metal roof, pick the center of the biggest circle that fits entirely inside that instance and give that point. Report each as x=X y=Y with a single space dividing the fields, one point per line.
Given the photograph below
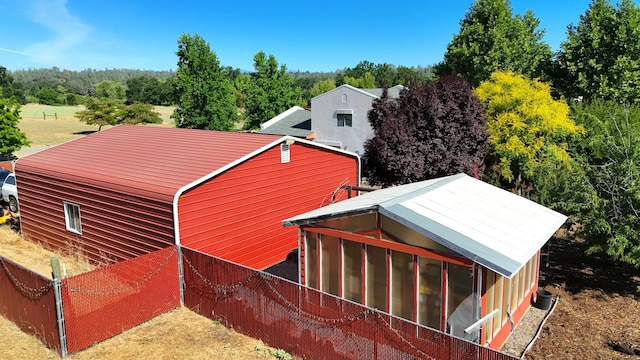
x=486 y=224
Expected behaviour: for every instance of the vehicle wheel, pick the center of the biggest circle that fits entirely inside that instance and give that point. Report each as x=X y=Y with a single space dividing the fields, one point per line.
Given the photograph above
x=13 y=204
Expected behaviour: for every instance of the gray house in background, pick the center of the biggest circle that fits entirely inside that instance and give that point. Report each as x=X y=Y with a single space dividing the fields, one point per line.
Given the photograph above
x=294 y=122
x=337 y=118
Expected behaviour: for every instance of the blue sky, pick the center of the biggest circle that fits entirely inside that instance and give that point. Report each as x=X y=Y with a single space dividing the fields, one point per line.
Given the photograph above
x=323 y=35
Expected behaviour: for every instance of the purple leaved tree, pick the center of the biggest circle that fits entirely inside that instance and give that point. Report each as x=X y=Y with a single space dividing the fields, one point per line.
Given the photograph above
x=429 y=131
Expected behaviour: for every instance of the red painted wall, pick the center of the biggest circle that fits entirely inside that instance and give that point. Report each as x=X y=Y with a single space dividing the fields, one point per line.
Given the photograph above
x=238 y=214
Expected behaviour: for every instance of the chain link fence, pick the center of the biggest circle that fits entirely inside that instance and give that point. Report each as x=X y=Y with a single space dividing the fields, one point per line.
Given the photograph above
x=107 y=301
x=308 y=323
x=303 y=321
x=27 y=299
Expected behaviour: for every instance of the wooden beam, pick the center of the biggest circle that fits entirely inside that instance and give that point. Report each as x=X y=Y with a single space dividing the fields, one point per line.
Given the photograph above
x=392 y=245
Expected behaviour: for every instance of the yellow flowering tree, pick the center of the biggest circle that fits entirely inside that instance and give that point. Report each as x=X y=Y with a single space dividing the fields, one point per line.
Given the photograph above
x=529 y=134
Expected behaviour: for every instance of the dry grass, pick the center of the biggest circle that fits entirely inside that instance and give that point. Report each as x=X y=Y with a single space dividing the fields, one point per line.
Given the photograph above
x=50 y=131
x=14 y=247
x=179 y=334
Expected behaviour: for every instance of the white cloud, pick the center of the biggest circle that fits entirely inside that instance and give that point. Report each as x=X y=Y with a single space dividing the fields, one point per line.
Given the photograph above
x=14 y=52
x=67 y=32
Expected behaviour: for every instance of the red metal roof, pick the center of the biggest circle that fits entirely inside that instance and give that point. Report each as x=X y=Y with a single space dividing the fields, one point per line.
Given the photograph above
x=160 y=160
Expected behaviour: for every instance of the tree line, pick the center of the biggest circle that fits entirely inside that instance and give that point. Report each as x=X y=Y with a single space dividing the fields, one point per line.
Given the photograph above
x=562 y=129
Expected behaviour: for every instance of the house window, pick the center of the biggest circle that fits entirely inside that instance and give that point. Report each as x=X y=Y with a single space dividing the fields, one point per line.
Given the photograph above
x=345 y=120
x=344 y=97
x=72 y=217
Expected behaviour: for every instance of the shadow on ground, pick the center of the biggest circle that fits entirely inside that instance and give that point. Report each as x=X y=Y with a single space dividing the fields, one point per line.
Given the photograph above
x=85 y=132
x=564 y=263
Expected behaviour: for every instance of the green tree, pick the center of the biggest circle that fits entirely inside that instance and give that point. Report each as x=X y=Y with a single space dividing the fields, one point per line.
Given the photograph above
x=357 y=72
x=109 y=112
x=385 y=75
x=491 y=39
x=100 y=112
x=138 y=113
x=135 y=89
x=272 y=91
x=322 y=87
x=600 y=57
x=8 y=88
x=611 y=153
x=47 y=96
x=527 y=129
x=241 y=86
x=111 y=90
x=11 y=138
x=367 y=81
x=203 y=92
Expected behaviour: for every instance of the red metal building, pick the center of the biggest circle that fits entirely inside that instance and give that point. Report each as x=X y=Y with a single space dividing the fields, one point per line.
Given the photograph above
x=129 y=190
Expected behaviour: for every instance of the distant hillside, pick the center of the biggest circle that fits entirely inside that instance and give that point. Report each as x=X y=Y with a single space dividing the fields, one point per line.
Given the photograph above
x=80 y=82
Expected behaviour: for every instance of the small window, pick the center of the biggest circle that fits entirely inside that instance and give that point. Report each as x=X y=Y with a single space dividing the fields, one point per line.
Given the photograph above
x=344 y=97
x=72 y=217
x=345 y=120
x=285 y=155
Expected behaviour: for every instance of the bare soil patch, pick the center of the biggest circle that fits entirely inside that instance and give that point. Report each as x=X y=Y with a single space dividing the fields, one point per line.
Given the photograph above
x=598 y=305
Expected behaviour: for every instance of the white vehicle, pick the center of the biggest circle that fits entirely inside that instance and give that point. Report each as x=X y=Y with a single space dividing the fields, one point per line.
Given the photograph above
x=10 y=192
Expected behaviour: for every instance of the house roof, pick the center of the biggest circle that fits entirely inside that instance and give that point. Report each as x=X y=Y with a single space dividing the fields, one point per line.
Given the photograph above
x=486 y=224
x=294 y=122
x=394 y=92
x=159 y=160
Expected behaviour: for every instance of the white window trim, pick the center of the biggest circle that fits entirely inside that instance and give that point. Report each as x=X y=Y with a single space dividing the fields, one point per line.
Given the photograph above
x=67 y=218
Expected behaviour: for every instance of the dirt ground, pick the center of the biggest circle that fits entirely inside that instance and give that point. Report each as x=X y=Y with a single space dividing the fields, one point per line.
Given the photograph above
x=598 y=311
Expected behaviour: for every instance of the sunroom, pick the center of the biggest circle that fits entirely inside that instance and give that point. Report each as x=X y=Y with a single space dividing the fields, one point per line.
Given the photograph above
x=453 y=253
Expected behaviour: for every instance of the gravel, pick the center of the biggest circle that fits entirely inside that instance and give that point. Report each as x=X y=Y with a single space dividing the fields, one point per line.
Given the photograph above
x=525 y=331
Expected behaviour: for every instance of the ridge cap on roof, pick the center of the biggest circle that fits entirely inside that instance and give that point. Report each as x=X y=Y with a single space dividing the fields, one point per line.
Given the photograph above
x=280 y=116
x=434 y=184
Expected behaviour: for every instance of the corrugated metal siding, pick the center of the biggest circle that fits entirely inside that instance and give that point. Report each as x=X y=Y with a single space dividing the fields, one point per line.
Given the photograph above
x=124 y=180
x=116 y=225
x=238 y=214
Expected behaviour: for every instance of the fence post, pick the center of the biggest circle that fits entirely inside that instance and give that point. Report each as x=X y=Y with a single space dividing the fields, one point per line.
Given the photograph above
x=180 y=275
x=57 y=291
x=44 y=117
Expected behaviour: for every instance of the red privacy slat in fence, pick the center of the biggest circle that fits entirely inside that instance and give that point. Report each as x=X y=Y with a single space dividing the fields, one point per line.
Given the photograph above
x=107 y=301
x=308 y=323
x=27 y=299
